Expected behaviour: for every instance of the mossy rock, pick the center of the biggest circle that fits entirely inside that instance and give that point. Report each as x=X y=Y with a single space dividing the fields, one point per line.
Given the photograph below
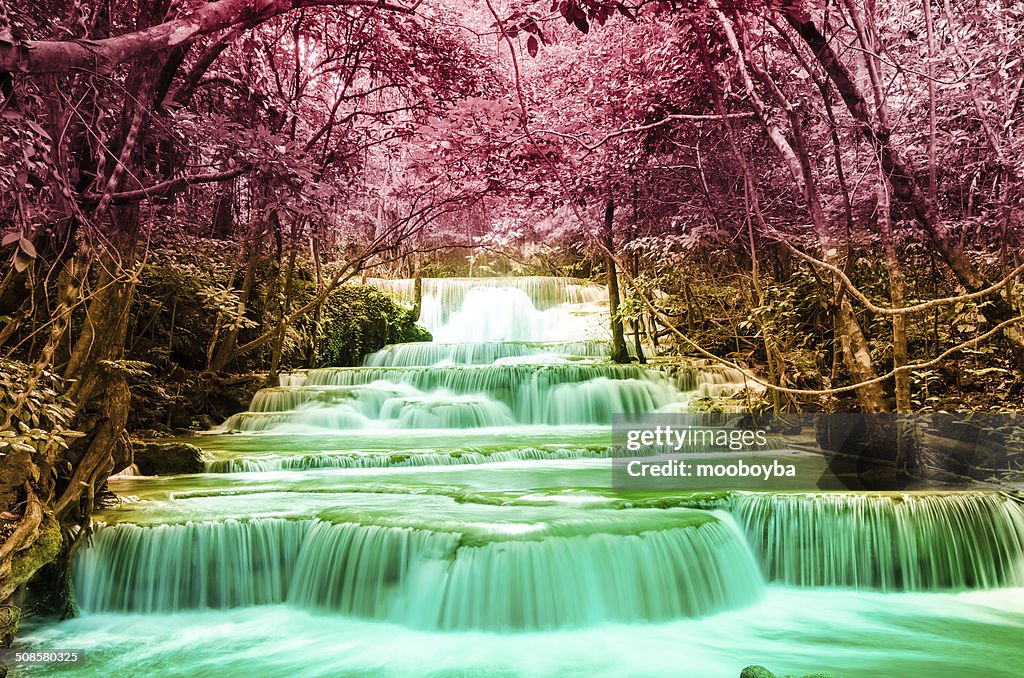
x=757 y=671
x=162 y=459
x=44 y=549
x=10 y=617
x=708 y=405
x=24 y=564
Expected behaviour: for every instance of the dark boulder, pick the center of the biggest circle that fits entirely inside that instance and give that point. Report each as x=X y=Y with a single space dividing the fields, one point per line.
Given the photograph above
x=162 y=459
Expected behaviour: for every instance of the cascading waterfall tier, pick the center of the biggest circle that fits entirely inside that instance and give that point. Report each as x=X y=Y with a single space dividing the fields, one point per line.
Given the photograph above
x=456 y=397
x=542 y=291
x=474 y=378
x=428 y=354
x=707 y=379
x=426 y=579
x=549 y=570
x=911 y=542
x=506 y=309
x=494 y=366
x=399 y=459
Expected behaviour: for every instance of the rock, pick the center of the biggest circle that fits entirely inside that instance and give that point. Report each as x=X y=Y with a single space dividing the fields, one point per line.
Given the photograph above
x=161 y=459
x=44 y=549
x=25 y=564
x=10 y=616
x=756 y=671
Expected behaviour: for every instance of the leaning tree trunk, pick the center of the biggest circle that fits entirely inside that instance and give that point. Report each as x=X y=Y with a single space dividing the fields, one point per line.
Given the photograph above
x=99 y=389
x=94 y=374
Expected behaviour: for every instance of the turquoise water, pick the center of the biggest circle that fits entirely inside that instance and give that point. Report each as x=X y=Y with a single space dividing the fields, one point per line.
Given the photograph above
x=449 y=511
x=791 y=630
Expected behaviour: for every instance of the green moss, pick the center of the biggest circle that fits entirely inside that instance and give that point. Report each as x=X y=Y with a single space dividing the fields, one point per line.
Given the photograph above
x=45 y=548
x=703 y=500
x=10 y=616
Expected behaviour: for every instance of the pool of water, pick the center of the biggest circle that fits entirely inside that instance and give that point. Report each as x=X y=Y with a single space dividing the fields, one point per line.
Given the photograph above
x=853 y=634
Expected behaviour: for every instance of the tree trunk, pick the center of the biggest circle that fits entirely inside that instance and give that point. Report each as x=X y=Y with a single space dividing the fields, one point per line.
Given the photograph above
x=57 y=56
x=98 y=387
x=619 y=352
x=417 y=294
x=904 y=186
x=223 y=223
x=896 y=294
x=225 y=353
x=282 y=328
x=638 y=343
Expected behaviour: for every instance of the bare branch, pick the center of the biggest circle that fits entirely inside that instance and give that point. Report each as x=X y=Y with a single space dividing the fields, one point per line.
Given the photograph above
x=165 y=188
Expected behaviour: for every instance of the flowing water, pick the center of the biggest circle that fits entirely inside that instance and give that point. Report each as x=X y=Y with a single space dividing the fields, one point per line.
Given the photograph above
x=447 y=510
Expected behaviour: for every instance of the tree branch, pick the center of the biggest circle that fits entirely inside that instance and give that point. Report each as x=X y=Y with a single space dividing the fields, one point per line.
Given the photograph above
x=593 y=146
x=165 y=188
x=61 y=56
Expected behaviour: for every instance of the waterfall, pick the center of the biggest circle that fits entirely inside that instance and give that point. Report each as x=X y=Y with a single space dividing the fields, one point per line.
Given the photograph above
x=901 y=542
x=441 y=410
x=496 y=363
x=473 y=379
x=197 y=565
x=508 y=314
x=586 y=580
x=507 y=309
x=427 y=579
x=648 y=564
x=544 y=292
x=332 y=534
x=447 y=457
x=707 y=379
x=457 y=397
x=428 y=354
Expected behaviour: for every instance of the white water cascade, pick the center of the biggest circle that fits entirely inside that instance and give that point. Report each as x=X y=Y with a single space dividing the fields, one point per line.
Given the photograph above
x=901 y=542
x=507 y=309
x=347 y=527
x=508 y=352
x=681 y=564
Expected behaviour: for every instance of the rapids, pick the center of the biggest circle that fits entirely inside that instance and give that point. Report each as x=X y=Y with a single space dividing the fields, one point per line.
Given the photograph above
x=447 y=509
